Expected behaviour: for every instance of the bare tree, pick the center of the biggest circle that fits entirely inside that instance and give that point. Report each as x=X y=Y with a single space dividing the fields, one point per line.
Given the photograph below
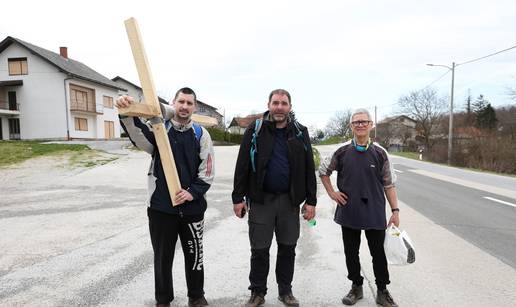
x=511 y=92
x=393 y=131
x=426 y=108
x=338 y=125
x=384 y=134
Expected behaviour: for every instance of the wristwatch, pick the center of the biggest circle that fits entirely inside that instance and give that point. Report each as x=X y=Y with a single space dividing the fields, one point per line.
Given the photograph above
x=395 y=209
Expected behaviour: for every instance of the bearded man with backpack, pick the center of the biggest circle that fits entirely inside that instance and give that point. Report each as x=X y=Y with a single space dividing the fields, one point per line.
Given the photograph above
x=193 y=155
x=274 y=174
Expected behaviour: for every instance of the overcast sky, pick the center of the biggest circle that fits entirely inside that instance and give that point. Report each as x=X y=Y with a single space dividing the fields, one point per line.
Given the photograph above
x=330 y=55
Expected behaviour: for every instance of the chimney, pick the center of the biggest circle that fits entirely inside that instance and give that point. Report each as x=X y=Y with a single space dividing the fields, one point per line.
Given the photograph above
x=63 y=51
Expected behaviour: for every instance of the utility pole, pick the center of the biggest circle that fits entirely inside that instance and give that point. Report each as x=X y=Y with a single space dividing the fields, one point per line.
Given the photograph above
x=450 y=131
x=375 y=125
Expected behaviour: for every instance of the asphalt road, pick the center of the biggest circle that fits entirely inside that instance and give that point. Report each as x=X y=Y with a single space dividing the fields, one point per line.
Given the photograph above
x=465 y=211
x=80 y=238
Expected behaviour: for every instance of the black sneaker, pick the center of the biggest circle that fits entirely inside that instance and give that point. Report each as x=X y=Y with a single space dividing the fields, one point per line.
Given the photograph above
x=353 y=295
x=384 y=298
x=289 y=300
x=256 y=299
x=197 y=302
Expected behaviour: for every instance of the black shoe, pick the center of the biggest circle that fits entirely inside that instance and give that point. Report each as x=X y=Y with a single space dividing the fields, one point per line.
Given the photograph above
x=353 y=295
x=256 y=299
x=197 y=302
x=384 y=298
x=289 y=300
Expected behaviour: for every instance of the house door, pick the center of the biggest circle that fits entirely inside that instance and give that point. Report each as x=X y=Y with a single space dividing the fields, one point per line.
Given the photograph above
x=13 y=106
x=14 y=128
x=109 y=129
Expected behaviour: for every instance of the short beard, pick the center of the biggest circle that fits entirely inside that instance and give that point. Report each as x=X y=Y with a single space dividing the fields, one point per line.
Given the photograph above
x=285 y=118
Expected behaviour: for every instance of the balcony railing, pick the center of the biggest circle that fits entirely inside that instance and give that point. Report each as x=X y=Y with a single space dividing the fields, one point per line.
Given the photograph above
x=11 y=106
x=81 y=107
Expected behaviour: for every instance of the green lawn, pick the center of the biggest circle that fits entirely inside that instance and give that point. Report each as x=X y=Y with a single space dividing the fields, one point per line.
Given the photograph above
x=12 y=152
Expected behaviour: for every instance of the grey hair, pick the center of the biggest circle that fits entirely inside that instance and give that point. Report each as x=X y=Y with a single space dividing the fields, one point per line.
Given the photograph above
x=359 y=111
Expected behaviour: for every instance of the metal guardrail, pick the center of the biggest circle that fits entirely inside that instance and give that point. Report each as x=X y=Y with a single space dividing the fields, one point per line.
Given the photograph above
x=5 y=105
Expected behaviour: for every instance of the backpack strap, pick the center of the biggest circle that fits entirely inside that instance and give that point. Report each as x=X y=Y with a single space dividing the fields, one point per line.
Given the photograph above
x=197 y=131
x=299 y=134
x=254 y=148
x=168 y=125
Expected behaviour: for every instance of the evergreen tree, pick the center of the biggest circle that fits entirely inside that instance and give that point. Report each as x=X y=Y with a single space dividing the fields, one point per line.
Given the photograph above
x=485 y=115
x=479 y=104
x=468 y=103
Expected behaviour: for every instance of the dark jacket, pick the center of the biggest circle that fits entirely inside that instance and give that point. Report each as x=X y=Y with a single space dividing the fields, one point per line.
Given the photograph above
x=249 y=185
x=193 y=159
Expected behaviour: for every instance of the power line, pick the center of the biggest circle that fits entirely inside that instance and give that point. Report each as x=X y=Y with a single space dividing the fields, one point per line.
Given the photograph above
x=489 y=55
x=433 y=82
x=467 y=62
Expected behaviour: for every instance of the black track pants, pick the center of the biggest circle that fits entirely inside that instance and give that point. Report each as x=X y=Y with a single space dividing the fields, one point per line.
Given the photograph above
x=164 y=230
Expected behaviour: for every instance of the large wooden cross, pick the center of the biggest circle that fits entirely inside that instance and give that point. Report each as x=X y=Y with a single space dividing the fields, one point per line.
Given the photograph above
x=151 y=110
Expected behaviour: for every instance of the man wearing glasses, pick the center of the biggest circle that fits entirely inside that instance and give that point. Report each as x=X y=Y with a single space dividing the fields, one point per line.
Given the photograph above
x=365 y=177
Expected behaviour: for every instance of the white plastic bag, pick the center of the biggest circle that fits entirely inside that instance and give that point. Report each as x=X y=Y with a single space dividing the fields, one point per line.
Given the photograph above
x=398 y=247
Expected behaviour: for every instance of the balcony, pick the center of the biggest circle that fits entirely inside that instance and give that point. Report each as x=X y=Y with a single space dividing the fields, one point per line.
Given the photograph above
x=85 y=108
x=8 y=107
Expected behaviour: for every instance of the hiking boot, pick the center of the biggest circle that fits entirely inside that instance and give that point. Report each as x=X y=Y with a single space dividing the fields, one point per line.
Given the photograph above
x=384 y=298
x=197 y=302
x=353 y=295
x=289 y=300
x=256 y=299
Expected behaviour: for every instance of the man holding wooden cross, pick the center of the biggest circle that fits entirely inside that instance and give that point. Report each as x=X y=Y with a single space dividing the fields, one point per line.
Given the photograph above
x=192 y=150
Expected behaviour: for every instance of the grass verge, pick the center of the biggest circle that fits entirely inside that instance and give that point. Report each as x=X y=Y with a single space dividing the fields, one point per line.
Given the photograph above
x=13 y=152
x=406 y=154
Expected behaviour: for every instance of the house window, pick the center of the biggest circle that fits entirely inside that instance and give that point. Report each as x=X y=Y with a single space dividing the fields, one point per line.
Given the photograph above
x=81 y=124
x=82 y=98
x=14 y=128
x=108 y=102
x=109 y=129
x=17 y=66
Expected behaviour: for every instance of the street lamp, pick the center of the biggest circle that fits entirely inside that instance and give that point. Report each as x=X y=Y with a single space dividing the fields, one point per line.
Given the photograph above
x=450 y=131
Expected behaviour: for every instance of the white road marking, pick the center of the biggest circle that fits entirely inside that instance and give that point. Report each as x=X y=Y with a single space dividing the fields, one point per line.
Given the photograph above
x=467 y=183
x=500 y=201
x=401 y=172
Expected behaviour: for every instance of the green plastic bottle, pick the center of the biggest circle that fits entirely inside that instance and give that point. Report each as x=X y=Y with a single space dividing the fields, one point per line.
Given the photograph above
x=312 y=223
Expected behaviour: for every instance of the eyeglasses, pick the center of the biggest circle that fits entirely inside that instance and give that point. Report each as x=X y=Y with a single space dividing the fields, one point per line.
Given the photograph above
x=361 y=123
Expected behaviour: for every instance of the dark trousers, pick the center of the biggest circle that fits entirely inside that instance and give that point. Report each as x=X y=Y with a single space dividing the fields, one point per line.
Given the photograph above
x=164 y=230
x=284 y=269
x=375 y=238
x=275 y=215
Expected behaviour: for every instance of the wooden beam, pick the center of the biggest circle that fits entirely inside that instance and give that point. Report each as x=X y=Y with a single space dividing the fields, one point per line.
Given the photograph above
x=151 y=99
x=204 y=120
x=147 y=111
x=140 y=110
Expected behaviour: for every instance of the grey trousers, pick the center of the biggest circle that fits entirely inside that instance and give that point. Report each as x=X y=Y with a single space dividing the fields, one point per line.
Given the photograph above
x=275 y=215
